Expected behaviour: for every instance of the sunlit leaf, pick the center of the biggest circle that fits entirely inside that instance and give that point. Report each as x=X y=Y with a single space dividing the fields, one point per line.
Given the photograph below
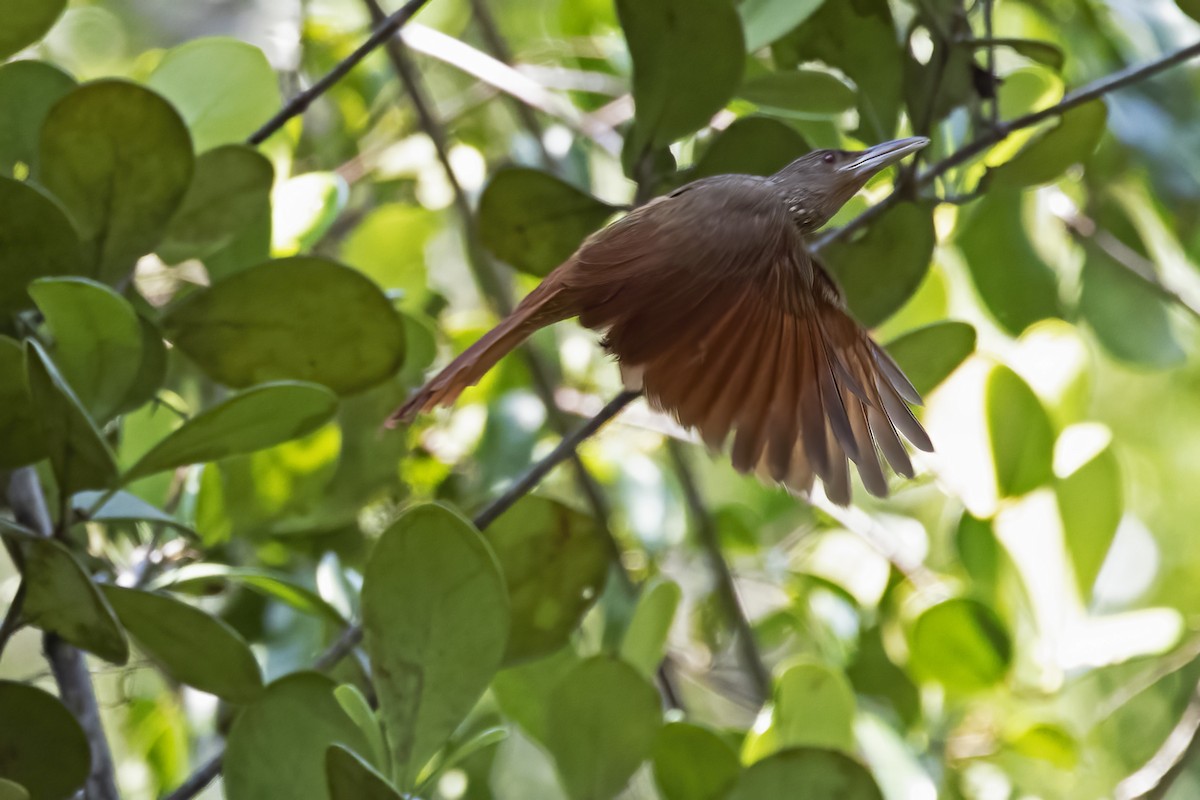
x=120 y=159
x=1112 y=296
x=36 y=240
x=11 y=790
x=302 y=318
x=814 y=706
x=961 y=644
x=388 y=246
x=693 y=763
x=806 y=772
x=21 y=440
x=928 y=355
x=751 y=146
x=604 y=719
x=1090 y=498
x=47 y=753
x=1020 y=432
x=1069 y=142
x=436 y=617
x=1047 y=743
x=26 y=21
x=303 y=209
x=805 y=92
x=350 y=778
x=875 y=675
x=27 y=91
x=764 y=21
x=524 y=691
x=645 y=640
x=534 y=221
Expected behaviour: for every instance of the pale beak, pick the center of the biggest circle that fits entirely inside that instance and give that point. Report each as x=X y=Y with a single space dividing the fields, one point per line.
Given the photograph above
x=873 y=159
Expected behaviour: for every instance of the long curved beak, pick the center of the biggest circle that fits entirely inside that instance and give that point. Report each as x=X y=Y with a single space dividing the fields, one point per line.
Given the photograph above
x=873 y=159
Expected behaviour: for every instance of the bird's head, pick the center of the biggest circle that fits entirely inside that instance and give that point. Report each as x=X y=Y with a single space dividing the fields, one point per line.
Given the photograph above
x=818 y=184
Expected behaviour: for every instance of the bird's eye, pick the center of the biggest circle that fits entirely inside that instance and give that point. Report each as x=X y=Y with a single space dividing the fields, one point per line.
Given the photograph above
x=829 y=158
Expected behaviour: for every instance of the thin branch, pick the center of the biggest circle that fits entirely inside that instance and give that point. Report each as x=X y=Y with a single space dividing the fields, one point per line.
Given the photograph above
x=300 y=103
x=12 y=617
x=1153 y=781
x=202 y=777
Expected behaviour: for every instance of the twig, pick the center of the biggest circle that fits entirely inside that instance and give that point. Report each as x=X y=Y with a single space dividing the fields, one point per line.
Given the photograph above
x=203 y=776
x=1155 y=778
x=298 y=104
x=70 y=670
x=12 y=617
x=1094 y=90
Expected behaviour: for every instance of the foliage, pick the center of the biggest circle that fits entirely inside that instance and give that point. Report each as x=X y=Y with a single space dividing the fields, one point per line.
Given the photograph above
x=200 y=338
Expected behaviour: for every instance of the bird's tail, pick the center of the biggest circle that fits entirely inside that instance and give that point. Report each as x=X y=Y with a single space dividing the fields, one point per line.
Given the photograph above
x=541 y=307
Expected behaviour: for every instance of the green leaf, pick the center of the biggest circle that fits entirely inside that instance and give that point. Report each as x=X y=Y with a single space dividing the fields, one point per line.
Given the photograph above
x=191 y=646
x=436 y=617
x=200 y=578
x=1046 y=157
x=61 y=598
x=351 y=778
x=806 y=93
x=359 y=709
x=814 y=706
x=1190 y=7
x=1111 y=297
x=805 y=773
x=119 y=158
x=98 y=340
x=27 y=91
x=388 y=246
x=880 y=270
x=25 y=22
x=303 y=210
x=124 y=507
x=962 y=644
x=251 y=420
x=230 y=187
x=36 y=240
x=874 y=675
x=524 y=691
x=42 y=747
x=751 y=146
x=80 y=456
x=928 y=355
x=693 y=763
x=277 y=746
x=764 y=21
x=555 y=562
x=10 y=790
x=224 y=88
x=152 y=368
x=980 y=553
x=1090 y=499
x=604 y=718
x=1020 y=432
x=645 y=640
x=1044 y=53
x=1015 y=284
x=301 y=318
x=1047 y=743
x=535 y=221
x=687 y=63
x=21 y=440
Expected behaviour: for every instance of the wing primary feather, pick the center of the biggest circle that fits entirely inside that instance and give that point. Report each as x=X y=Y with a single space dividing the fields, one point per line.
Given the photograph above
x=889 y=442
x=812 y=414
x=753 y=416
x=895 y=375
x=903 y=419
x=784 y=431
x=869 y=468
x=835 y=411
x=837 y=483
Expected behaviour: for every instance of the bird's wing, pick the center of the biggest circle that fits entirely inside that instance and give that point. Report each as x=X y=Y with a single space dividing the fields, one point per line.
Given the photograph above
x=712 y=297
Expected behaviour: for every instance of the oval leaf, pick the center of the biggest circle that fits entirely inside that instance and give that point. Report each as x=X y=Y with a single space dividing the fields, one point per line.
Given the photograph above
x=814 y=707
x=21 y=440
x=98 y=340
x=645 y=640
x=388 y=246
x=687 y=62
x=120 y=159
x=1090 y=498
x=805 y=93
x=826 y=774
x=693 y=763
x=1111 y=297
x=534 y=221
x=36 y=240
x=602 y=723
x=351 y=778
x=1020 y=432
x=200 y=578
x=928 y=355
x=27 y=91
x=47 y=752
x=436 y=617
x=764 y=21
x=123 y=507
x=555 y=562
x=277 y=746
x=1069 y=142
x=251 y=420
x=751 y=146
x=192 y=647
x=961 y=644
x=25 y=22
x=301 y=318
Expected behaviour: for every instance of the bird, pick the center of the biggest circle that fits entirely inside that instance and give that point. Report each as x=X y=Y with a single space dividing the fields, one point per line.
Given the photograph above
x=715 y=308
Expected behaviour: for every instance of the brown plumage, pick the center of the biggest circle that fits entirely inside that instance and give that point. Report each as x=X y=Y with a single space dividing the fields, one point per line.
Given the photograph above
x=709 y=297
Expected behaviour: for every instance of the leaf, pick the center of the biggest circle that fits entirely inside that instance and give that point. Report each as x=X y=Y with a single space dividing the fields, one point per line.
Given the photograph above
x=874 y=675
x=693 y=763
x=25 y=22
x=197 y=577
x=764 y=21
x=120 y=159
x=9 y=790
x=524 y=692
x=27 y=91
x=751 y=146
x=1190 y=7
x=359 y=709
x=21 y=440
x=1048 y=743
x=1015 y=284
x=814 y=706
x=961 y=644
x=61 y=598
x=1046 y=157
x=1044 y=53
x=303 y=209
x=1020 y=432
x=880 y=270
x=276 y=748
x=388 y=246
x=230 y=187
x=351 y=778
x=928 y=355
x=302 y=318
x=534 y=221
x=1090 y=498
x=436 y=617
x=224 y=88
x=806 y=93
x=79 y=455
x=254 y=419
x=804 y=773
x=191 y=646
x=687 y=63
x=47 y=753
x=554 y=562
x=645 y=640
x=1111 y=297
x=604 y=718
x=98 y=340
x=124 y=507
x=152 y=367
x=36 y=240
